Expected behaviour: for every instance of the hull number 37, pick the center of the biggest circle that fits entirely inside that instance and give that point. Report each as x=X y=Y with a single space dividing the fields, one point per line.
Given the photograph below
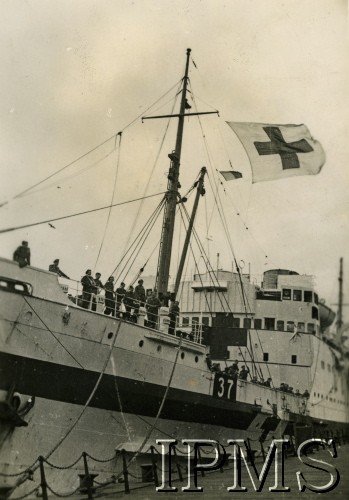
x=224 y=387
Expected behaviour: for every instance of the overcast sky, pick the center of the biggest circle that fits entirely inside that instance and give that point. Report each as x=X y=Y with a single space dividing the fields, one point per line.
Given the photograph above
x=76 y=72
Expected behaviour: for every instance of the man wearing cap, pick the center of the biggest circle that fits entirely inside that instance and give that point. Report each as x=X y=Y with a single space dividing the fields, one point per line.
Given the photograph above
x=88 y=285
x=120 y=295
x=109 y=297
x=139 y=296
x=22 y=255
x=173 y=314
x=96 y=289
x=55 y=269
x=153 y=304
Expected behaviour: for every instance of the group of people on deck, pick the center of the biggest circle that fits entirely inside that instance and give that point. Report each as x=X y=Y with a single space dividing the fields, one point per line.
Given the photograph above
x=121 y=302
x=125 y=302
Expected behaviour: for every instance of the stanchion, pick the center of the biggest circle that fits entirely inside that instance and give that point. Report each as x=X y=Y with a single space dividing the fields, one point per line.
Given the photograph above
x=86 y=480
x=178 y=465
x=43 y=482
x=199 y=455
x=125 y=471
x=153 y=462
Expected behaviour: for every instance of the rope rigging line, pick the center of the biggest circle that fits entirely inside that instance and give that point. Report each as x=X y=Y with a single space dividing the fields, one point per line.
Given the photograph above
x=111 y=201
x=243 y=294
x=151 y=173
x=7 y=230
x=140 y=237
x=30 y=188
x=74 y=174
x=205 y=294
x=201 y=248
x=196 y=264
x=22 y=193
x=48 y=329
x=26 y=475
x=219 y=182
x=147 y=436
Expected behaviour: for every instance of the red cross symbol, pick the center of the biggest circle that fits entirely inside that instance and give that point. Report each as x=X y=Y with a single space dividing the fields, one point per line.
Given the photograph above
x=278 y=146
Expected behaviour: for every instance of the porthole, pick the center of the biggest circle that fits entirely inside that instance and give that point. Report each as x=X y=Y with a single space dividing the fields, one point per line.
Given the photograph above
x=110 y=334
x=158 y=348
x=141 y=342
x=196 y=359
x=182 y=355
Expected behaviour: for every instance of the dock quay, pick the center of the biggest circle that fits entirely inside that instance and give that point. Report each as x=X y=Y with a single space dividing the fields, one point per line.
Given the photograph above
x=214 y=484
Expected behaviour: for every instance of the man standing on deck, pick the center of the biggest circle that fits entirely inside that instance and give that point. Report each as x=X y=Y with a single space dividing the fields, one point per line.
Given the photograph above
x=96 y=289
x=120 y=294
x=55 y=269
x=88 y=285
x=22 y=255
x=153 y=304
x=109 y=297
x=129 y=300
x=173 y=314
x=139 y=296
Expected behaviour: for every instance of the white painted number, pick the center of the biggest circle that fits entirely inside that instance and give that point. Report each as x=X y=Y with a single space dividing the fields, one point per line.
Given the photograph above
x=231 y=384
x=222 y=387
x=220 y=393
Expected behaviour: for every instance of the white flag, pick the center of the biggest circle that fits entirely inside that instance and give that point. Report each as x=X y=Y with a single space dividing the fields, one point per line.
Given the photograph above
x=279 y=151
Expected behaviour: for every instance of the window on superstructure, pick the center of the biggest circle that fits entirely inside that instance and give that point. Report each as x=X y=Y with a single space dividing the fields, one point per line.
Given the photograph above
x=290 y=326
x=297 y=295
x=323 y=365
x=280 y=325
x=301 y=327
x=308 y=296
x=185 y=321
x=310 y=328
x=247 y=322
x=294 y=359
x=286 y=294
x=258 y=323
x=236 y=322
x=15 y=286
x=205 y=320
x=316 y=298
x=269 y=323
x=314 y=313
x=265 y=356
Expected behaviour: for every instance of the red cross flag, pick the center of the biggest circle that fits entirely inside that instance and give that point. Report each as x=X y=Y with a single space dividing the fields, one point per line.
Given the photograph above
x=279 y=151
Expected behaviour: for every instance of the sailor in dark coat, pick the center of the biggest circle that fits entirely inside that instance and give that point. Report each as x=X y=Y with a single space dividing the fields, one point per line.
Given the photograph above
x=129 y=301
x=88 y=285
x=109 y=297
x=152 y=305
x=22 y=255
x=55 y=269
x=139 y=296
x=173 y=314
x=96 y=289
x=120 y=294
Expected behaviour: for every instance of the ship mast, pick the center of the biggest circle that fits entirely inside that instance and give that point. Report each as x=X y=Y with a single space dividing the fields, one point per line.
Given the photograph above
x=172 y=194
x=200 y=191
